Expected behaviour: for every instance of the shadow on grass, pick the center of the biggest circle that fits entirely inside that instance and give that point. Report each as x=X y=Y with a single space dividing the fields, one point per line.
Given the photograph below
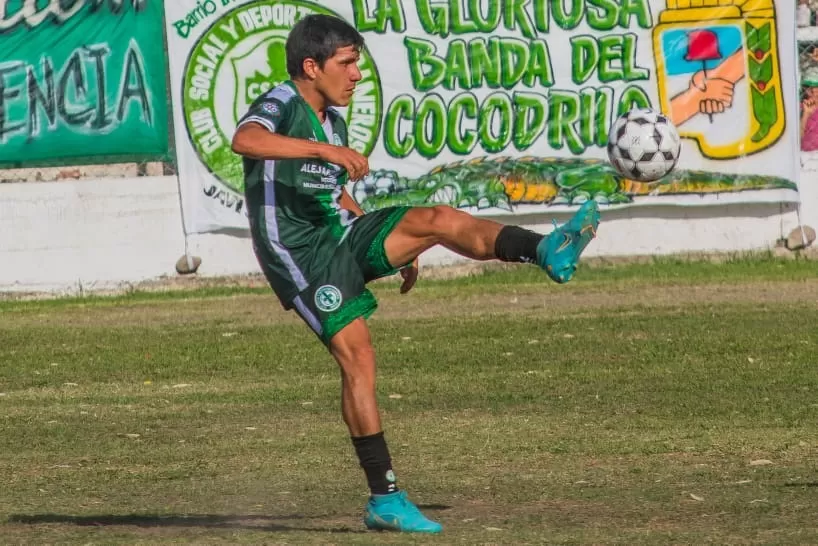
x=248 y=522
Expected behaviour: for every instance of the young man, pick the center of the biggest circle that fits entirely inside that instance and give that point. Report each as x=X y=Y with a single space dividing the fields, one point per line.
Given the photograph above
x=318 y=250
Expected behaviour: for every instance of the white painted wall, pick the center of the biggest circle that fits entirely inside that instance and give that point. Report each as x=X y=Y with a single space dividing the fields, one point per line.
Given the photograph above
x=95 y=234
x=60 y=236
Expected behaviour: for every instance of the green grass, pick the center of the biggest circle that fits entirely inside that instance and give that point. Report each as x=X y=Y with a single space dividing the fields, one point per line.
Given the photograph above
x=657 y=271
x=671 y=402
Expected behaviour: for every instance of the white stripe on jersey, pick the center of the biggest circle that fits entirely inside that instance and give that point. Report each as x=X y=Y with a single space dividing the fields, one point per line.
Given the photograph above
x=269 y=125
x=283 y=93
x=308 y=315
x=272 y=226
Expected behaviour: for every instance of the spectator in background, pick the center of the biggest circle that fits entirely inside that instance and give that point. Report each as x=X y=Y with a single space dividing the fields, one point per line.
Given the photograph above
x=809 y=106
x=803 y=14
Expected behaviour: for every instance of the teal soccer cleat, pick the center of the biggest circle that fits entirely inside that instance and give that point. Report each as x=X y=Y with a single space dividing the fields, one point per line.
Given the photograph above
x=395 y=512
x=559 y=252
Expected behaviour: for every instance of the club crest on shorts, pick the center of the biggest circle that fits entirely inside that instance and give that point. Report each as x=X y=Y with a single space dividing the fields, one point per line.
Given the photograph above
x=328 y=298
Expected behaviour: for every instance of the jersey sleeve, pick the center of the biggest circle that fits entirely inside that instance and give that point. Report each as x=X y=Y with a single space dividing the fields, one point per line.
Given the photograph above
x=269 y=113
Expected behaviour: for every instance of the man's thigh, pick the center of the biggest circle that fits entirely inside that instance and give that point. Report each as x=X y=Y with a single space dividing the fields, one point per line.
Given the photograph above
x=366 y=241
x=336 y=297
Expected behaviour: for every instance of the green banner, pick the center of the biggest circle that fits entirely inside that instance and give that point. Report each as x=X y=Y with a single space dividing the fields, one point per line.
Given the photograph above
x=83 y=80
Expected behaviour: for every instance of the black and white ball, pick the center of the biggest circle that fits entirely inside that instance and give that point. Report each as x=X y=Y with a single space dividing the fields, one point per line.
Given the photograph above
x=643 y=145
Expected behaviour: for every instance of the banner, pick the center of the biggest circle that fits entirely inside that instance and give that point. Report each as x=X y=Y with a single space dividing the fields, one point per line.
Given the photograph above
x=498 y=106
x=83 y=79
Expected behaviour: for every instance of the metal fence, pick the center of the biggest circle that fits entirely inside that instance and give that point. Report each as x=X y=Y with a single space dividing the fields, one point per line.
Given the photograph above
x=807 y=36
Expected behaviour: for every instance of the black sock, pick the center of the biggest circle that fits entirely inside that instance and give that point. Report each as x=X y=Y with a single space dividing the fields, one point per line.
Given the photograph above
x=374 y=457
x=515 y=244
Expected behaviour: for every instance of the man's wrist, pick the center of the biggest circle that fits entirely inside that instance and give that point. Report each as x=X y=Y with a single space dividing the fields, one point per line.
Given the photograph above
x=318 y=150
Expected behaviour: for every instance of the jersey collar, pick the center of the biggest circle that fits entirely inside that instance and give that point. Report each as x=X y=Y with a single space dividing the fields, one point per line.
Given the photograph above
x=317 y=127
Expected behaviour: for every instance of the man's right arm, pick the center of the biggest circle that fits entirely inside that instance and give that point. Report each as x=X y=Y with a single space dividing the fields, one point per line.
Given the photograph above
x=257 y=142
x=259 y=136
x=262 y=133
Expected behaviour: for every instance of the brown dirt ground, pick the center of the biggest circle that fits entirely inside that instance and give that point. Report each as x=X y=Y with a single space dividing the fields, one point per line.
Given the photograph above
x=259 y=309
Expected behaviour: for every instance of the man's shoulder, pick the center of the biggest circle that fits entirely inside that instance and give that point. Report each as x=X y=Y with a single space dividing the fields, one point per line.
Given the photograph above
x=275 y=101
x=282 y=93
x=273 y=109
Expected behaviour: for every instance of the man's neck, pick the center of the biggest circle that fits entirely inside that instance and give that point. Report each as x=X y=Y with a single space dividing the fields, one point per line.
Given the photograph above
x=313 y=98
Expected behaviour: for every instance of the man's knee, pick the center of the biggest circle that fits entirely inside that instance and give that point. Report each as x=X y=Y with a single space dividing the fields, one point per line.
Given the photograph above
x=358 y=365
x=352 y=347
x=357 y=354
x=442 y=219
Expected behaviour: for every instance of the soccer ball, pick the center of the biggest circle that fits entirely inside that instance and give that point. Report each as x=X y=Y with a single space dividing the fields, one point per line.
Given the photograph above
x=643 y=145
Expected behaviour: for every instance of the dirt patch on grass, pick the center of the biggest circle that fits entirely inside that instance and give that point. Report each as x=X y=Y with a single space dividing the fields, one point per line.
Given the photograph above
x=243 y=310
x=439 y=272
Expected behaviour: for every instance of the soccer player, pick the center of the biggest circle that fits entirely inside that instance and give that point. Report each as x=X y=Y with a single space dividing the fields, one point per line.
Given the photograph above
x=318 y=250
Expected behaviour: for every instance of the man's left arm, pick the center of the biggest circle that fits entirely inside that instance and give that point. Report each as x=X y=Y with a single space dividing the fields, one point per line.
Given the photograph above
x=348 y=203
x=410 y=271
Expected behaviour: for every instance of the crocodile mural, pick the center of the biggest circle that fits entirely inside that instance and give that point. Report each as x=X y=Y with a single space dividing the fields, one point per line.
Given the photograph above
x=504 y=182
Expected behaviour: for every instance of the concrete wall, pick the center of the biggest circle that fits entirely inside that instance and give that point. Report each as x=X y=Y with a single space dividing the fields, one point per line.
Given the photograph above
x=83 y=234
x=94 y=234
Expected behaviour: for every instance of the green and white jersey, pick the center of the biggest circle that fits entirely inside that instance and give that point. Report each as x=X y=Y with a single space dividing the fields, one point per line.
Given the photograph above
x=293 y=205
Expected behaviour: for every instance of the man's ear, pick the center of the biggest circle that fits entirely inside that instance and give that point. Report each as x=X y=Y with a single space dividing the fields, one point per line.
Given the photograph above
x=310 y=67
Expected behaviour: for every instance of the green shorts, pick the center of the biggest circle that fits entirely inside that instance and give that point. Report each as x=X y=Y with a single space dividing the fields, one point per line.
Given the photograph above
x=338 y=295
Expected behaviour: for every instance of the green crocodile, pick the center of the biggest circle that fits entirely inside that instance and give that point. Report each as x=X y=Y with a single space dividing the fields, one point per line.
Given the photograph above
x=504 y=182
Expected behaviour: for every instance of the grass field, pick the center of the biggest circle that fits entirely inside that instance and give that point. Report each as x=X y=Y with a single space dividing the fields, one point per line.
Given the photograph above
x=665 y=403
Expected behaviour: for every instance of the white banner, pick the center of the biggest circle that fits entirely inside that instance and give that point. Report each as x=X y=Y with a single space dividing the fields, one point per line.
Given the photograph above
x=500 y=105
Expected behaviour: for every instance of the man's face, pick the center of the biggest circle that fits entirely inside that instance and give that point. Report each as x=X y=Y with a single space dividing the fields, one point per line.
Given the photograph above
x=336 y=81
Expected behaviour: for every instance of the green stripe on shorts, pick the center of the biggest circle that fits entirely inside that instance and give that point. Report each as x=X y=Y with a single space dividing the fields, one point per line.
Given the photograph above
x=376 y=255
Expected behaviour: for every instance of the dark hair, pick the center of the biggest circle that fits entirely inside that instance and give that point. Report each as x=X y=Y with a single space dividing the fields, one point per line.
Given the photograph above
x=318 y=37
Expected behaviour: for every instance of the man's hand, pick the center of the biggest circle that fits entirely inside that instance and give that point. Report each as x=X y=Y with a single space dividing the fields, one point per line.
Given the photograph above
x=808 y=106
x=356 y=165
x=410 y=276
